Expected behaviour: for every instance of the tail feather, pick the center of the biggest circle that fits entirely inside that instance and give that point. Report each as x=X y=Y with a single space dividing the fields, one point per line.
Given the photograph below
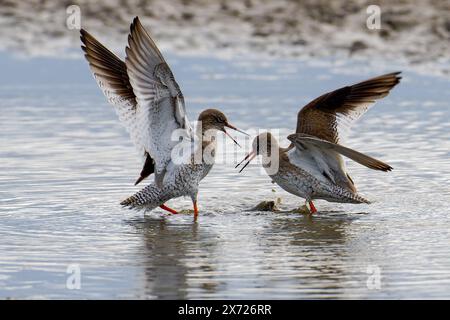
x=360 y=199
x=356 y=198
x=336 y=193
x=150 y=197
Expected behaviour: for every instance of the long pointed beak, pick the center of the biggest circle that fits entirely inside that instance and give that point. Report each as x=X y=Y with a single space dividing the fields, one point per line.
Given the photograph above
x=225 y=131
x=250 y=157
x=236 y=129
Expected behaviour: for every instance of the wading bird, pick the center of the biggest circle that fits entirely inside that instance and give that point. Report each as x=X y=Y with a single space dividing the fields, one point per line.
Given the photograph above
x=151 y=106
x=312 y=166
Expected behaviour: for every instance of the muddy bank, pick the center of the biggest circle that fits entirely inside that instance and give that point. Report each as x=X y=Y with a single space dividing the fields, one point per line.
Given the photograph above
x=415 y=32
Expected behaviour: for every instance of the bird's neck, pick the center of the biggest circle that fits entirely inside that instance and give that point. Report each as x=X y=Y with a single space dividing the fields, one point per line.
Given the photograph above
x=205 y=131
x=207 y=135
x=273 y=155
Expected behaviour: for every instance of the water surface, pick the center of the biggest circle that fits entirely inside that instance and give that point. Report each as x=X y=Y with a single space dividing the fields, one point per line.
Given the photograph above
x=66 y=163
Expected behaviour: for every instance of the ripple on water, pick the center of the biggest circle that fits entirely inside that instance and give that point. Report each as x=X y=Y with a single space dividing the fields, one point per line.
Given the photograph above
x=67 y=163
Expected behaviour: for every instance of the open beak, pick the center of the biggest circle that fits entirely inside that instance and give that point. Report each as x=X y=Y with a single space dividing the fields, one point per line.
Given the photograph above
x=236 y=129
x=250 y=157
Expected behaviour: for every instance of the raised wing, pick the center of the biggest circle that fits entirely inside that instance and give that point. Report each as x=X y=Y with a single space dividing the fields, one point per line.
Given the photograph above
x=111 y=75
x=160 y=103
x=331 y=115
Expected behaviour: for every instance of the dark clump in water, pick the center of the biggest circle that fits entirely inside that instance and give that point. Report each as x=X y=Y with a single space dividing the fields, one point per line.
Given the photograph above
x=268 y=206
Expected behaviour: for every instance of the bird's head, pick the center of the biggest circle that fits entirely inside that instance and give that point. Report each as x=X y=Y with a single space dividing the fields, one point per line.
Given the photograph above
x=263 y=145
x=216 y=120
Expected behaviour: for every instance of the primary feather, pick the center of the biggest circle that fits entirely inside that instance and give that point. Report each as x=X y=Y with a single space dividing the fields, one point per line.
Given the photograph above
x=331 y=115
x=146 y=96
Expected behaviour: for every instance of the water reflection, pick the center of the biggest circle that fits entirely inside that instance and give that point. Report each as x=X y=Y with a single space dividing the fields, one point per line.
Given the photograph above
x=300 y=252
x=311 y=247
x=170 y=252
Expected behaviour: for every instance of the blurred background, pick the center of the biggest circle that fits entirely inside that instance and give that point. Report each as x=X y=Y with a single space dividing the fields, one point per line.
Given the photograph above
x=416 y=32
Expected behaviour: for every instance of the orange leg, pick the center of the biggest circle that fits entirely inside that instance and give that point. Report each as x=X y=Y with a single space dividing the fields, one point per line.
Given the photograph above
x=312 y=207
x=164 y=207
x=195 y=210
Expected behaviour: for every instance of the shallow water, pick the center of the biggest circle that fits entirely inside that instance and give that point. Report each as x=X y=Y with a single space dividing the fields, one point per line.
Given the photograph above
x=66 y=163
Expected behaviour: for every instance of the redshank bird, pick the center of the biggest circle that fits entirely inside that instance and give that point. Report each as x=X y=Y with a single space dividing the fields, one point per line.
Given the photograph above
x=312 y=166
x=151 y=106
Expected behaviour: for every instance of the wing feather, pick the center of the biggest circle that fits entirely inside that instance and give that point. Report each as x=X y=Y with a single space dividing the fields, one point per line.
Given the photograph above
x=111 y=76
x=331 y=115
x=356 y=156
x=160 y=102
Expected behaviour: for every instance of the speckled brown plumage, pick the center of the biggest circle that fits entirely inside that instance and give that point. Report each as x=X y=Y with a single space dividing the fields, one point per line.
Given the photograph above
x=151 y=106
x=312 y=167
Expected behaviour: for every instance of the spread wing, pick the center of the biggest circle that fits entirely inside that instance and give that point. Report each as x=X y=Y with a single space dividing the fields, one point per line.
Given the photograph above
x=323 y=123
x=145 y=95
x=112 y=78
x=331 y=115
x=111 y=75
x=160 y=104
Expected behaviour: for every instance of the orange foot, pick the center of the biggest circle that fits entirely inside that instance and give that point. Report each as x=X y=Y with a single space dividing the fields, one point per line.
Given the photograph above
x=195 y=211
x=312 y=207
x=164 y=207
